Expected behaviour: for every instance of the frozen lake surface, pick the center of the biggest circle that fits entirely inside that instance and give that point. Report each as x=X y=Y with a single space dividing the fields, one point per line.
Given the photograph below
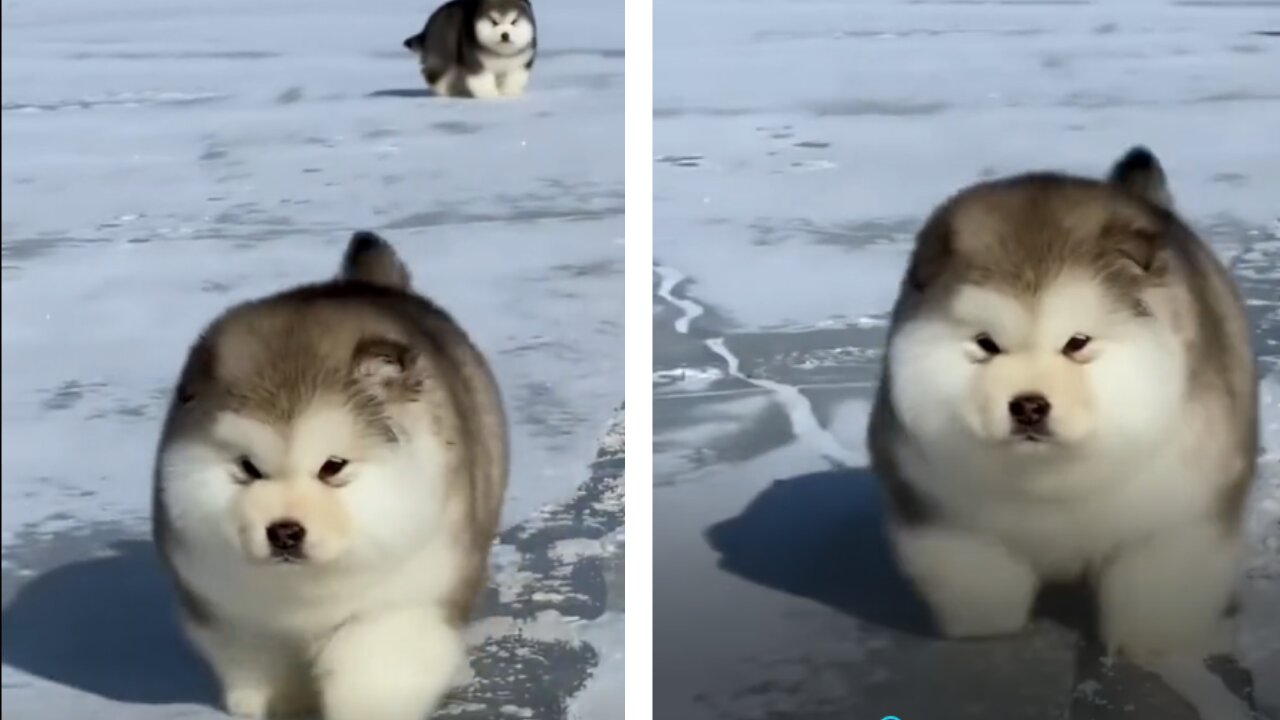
x=163 y=160
x=798 y=146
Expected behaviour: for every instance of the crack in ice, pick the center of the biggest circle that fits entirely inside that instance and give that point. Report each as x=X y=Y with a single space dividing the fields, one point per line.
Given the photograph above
x=666 y=290
x=804 y=423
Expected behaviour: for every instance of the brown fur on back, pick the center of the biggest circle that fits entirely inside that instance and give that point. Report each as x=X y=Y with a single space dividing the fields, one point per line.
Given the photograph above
x=271 y=358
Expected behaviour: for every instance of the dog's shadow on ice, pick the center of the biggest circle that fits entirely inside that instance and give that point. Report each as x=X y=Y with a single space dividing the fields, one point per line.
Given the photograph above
x=107 y=626
x=821 y=536
x=403 y=93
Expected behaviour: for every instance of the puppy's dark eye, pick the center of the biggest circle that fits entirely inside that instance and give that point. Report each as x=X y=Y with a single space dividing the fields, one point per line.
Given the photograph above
x=495 y=20
x=1076 y=344
x=331 y=467
x=987 y=345
x=250 y=470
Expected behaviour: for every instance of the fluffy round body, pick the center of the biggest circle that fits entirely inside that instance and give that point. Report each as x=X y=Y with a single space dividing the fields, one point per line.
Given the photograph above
x=1069 y=393
x=327 y=486
x=477 y=48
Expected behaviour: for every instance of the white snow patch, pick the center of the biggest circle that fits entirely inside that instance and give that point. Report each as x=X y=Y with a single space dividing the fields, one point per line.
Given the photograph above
x=602 y=698
x=575 y=549
x=546 y=626
x=687 y=379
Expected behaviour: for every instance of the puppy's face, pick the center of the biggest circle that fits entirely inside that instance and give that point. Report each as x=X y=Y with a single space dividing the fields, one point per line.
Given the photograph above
x=504 y=28
x=1036 y=328
x=336 y=480
x=1066 y=367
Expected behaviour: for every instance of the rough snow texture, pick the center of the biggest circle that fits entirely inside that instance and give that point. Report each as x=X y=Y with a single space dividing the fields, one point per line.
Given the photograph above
x=798 y=146
x=164 y=159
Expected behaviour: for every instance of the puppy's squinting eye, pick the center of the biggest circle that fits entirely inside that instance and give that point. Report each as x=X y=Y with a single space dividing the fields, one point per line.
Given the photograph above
x=1076 y=344
x=987 y=345
x=250 y=470
x=330 y=468
x=495 y=20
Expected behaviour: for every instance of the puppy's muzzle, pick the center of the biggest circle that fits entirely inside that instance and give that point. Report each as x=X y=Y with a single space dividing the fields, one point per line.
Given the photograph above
x=286 y=538
x=1030 y=415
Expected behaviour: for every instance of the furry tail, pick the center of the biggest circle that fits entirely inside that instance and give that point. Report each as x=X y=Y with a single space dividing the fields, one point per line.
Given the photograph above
x=371 y=259
x=1140 y=173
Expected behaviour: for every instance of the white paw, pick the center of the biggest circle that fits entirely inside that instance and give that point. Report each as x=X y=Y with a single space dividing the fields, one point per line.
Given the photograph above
x=1167 y=596
x=483 y=85
x=247 y=702
x=1151 y=636
x=975 y=617
x=975 y=586
x=418 y=655
x=513 y=83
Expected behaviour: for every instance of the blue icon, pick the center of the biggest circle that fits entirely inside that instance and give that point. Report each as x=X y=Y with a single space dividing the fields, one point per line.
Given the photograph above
x=890 y=717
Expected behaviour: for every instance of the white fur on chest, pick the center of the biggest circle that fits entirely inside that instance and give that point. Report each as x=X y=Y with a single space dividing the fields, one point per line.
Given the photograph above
x=503 y=64
x=502 y=76
x=1064 y=518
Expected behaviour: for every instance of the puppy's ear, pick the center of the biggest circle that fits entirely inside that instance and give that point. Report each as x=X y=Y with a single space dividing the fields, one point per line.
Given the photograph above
x=197 y=374
x=1139 y=239
x=387 y=368
x=1139 y=172
x=933 y=251
x=371 y=259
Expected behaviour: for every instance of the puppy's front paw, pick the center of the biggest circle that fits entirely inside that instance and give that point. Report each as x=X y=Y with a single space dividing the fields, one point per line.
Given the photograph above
x=978 y=616
x=513 y=83
x=483 y=85
x=397 y=665
x=1168 y=597
x=974 y=585
x=247 y=701
x=294 y=702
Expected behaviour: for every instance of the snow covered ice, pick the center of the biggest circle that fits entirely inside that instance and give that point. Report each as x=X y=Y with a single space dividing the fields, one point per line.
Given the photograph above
x=798 y=145
x=164 y=159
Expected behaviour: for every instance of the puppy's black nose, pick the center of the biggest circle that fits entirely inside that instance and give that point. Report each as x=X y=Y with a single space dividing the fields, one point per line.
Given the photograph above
x=286 y=535
x=1029 y=409
x=506 y=37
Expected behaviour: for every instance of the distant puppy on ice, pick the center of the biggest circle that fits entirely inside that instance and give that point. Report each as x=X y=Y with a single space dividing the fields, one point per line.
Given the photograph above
x=328 y=482
x=477 y=48
x=1069 y=392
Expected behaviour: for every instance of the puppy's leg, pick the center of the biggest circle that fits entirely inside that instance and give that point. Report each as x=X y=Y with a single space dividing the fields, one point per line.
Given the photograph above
x=255 y=673
x=483 y=85
x=443 y=82
x=1169 y=594
x=295 y=694
x=975 y=586
x=397 y=665
x=514 y=82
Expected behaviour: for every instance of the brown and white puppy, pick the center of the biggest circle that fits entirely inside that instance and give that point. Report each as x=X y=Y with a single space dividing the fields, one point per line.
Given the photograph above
x=327 y=486
x=1069 y=393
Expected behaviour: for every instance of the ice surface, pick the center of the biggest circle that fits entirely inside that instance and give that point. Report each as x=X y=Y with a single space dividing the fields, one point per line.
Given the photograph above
x=798 y=145
x=163 y=159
